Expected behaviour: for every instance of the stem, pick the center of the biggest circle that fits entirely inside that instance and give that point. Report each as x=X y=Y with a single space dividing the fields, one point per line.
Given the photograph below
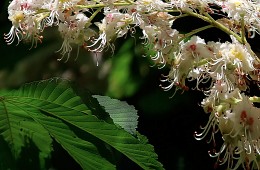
x=172 y=10
x=42 y=16
x=231 y=100
x=181 y=16
x=195 y=31
x=92 y=17
x=198 y=16
x=223 y=28
x=129 y=1
x=255 y=99
x=101 y=5
x=201 y=62
x=243 y=29
x=214 y=23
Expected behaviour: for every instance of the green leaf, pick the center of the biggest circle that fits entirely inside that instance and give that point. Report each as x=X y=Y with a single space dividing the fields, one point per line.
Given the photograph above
x=33 y=101
x=122 y=81
x=53 y=109
x=122 y=114
x=16 y=126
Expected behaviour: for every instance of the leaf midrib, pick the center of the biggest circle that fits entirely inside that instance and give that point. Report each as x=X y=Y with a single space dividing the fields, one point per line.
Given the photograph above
x=12 y=98
x=8 y=120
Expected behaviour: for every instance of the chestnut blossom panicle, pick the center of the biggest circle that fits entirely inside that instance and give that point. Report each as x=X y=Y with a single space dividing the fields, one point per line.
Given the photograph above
x=31 y=17
x=227 y=66
x=238 y=121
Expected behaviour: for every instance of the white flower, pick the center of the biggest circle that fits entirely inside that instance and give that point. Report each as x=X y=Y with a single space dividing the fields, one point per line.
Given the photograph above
x=198 y=48
x=231 y=63
x=73 y=33
x=246 y=121
x=237 y=10
x=190 y=5
x=151 y=5
x=238 y=121
x=26 y=20
x=239 y=56
x=179 y=71
x=114 y=25
x=190 y=62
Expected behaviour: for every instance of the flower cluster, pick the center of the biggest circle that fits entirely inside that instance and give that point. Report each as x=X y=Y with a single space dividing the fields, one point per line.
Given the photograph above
x=222 y=71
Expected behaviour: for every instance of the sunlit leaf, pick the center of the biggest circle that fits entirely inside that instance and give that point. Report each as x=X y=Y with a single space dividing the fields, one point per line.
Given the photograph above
x=122 y=114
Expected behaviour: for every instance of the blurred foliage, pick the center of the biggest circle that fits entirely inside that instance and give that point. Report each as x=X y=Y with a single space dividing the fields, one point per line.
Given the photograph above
x=124 y=78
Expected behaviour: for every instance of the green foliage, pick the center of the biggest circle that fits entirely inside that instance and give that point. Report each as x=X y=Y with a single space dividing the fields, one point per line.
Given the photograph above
x=122 y=114
x=40 y=112
x=122 y=82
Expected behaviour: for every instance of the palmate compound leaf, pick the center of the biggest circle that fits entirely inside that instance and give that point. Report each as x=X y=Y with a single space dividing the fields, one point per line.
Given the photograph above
x=27 y=105
x=54 y=107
